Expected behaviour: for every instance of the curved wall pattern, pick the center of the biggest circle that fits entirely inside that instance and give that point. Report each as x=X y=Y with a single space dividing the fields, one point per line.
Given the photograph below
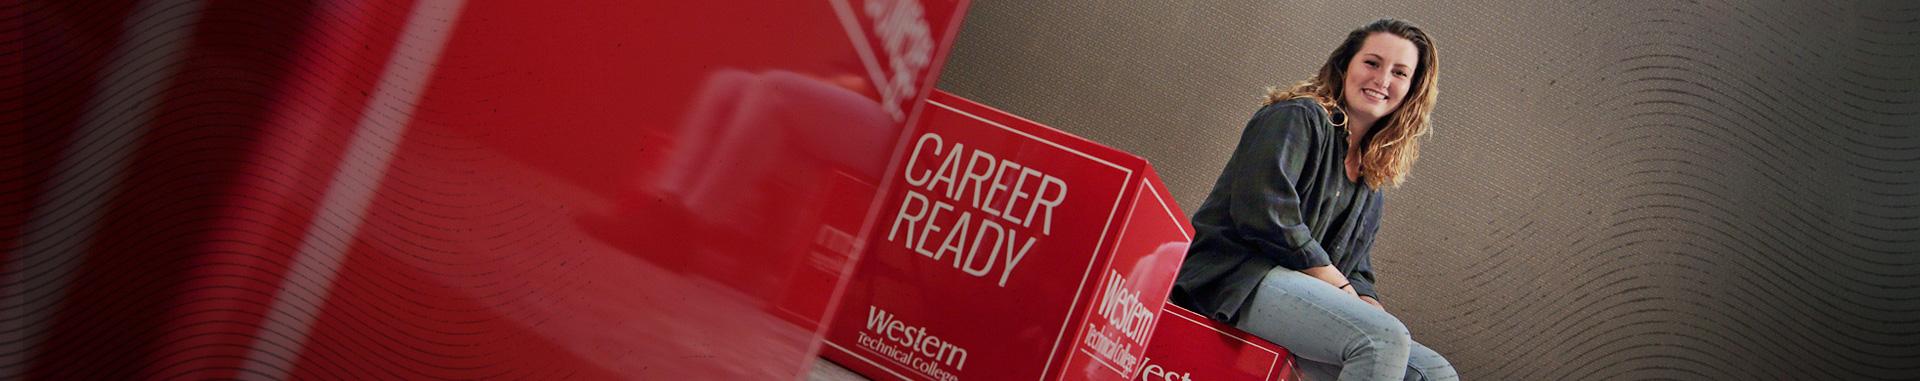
x=1616 y=189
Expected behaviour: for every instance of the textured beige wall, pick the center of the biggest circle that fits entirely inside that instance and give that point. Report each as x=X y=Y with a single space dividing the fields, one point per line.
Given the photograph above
x=1615 y=190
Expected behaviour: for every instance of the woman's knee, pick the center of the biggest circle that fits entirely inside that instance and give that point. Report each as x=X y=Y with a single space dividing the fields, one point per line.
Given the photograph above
x=1425 y=364
x=1387 y=328
x=1431 y=371
x=1383 y=335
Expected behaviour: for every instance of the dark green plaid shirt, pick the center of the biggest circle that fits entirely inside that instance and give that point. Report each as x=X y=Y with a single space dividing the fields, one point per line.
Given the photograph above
x=1283 y=201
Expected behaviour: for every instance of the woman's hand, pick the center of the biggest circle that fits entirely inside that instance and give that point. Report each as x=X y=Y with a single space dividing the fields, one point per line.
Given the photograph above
x=1332 y=277
x=1374 y=302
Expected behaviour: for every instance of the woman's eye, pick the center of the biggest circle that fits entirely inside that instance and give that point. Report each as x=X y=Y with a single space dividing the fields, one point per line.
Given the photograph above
x=1372 y=64
x=1400 y=74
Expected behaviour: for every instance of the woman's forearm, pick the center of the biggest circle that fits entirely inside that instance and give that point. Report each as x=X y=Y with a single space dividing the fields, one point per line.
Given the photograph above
x=1332 y=277
x=1327 y=274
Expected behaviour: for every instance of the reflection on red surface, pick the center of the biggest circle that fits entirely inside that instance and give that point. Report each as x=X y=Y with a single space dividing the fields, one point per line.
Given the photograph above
x=445 y=189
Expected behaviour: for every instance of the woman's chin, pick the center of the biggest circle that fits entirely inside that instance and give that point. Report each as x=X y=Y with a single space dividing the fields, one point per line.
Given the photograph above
x=1368 y=114
x=1367 y=110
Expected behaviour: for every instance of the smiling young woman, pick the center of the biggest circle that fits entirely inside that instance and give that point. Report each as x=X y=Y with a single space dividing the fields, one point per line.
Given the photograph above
x=1283 y=242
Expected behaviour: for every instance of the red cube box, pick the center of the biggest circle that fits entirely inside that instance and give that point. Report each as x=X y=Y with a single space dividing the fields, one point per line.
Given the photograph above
x=1188 y=346
x=1007 y=250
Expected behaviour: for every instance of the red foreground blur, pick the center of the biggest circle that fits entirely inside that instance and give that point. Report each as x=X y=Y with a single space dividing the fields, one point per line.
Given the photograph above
x=444 y=189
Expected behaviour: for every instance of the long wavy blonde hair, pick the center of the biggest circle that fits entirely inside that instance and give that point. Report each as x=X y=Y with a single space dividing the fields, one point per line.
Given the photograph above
x=1388 y=153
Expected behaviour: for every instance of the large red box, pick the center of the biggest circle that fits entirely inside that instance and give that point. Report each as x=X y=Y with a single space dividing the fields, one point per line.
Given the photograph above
x=1007 y=250
x=1187 y=346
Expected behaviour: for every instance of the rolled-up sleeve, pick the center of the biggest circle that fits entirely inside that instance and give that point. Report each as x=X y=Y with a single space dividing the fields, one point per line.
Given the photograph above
x=1265 y=172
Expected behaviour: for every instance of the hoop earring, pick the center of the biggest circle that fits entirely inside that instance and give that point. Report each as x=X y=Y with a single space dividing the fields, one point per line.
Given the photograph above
x=1342 y=113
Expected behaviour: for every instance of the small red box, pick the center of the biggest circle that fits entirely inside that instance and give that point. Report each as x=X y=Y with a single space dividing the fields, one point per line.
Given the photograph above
x=1188 y=346
x=1007 y=250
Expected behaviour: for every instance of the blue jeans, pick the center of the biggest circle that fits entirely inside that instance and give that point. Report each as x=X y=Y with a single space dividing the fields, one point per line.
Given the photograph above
x=1332 y=333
